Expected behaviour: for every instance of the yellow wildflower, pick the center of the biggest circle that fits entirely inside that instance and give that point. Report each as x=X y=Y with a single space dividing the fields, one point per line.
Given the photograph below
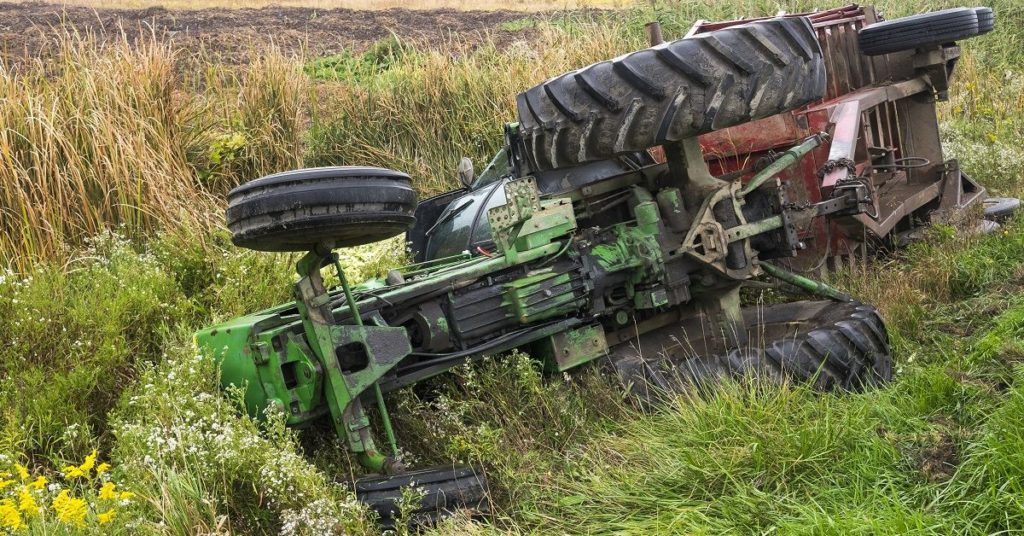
x=89 y=463
x=102 y=468
x=39 y=482
x=5 y=483
x=61 y=498
x=105 y=517
x=81 y=471
x=107 y=492
x=27 y=503
x=72 y=471
x=22 y=471
x=69 y=509
x=9 y=516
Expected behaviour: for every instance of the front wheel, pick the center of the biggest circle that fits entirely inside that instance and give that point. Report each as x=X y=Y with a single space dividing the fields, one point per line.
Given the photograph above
x=1000 y=209
x=297 y=210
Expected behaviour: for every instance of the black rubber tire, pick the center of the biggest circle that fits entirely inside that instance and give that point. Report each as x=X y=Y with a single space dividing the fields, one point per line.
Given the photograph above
x=1000 y=209
x=986 y=19
x=447 y=489
x=296 y=210
x=834 y=345
x=917 y=31
x=672 y=91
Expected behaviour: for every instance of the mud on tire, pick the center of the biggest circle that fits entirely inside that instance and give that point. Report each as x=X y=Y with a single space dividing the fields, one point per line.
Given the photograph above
x=672 y=91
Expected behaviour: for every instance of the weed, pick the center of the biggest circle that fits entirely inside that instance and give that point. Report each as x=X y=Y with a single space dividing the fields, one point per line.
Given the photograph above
x=96 y=324
x=518 y=25
x=113 y=137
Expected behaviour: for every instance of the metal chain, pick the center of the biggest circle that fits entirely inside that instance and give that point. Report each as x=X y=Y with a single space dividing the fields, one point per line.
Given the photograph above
x=796 y=207
x=831 y=165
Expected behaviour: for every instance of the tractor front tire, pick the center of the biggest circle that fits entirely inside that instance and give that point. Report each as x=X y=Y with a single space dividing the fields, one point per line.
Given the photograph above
x=297 y=210
x=672 y=91
x=1000 y=209
x=986 y=19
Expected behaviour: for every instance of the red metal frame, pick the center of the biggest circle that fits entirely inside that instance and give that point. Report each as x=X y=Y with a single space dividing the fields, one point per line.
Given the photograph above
x=878 y=109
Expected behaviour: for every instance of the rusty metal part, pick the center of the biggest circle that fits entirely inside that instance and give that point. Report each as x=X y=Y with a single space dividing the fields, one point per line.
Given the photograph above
x=653 y=30
x=831 y=165
x=882 y=102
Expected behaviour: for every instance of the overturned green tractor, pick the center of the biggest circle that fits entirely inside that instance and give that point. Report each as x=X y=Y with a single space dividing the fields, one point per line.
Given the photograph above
x=598 y=255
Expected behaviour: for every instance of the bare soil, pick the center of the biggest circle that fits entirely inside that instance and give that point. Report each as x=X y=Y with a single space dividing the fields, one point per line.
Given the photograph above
x=939 y=456
x=233 y=35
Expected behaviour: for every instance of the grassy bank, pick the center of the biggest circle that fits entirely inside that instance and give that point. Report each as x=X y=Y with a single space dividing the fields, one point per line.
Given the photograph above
x=113 y=164
x=462 y=5
x=934 y=453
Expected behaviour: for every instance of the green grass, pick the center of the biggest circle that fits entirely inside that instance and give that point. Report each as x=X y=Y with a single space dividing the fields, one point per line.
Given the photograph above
x=933 y=453
x=97 y=326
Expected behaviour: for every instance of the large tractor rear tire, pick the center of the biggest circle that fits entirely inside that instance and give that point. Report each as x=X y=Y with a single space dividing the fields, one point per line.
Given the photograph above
x=833 y=345
x=296 y=210
x=672 y=91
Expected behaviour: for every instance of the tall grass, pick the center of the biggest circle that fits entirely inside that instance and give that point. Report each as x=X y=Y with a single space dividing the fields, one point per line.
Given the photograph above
x=422 y=111
x=117 y=136
x=93 y=141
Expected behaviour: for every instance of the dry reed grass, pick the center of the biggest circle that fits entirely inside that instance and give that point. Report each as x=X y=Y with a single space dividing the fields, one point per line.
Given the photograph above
x=426 y=111
x=114 y=136
x=462 y=5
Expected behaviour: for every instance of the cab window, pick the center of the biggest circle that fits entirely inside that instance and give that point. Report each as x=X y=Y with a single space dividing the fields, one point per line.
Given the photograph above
x=498 y=168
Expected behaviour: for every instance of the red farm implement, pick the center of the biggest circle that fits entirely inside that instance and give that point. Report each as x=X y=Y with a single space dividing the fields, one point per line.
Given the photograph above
x=880 y=111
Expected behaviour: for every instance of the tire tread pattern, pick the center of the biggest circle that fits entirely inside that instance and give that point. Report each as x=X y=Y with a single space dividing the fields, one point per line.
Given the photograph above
x=672 y=91
x=296 y=210
x=926 y=29
x=446 y=489
x=845 y=349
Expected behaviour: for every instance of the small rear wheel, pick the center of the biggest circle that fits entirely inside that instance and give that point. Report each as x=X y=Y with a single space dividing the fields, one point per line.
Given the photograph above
x=296 y=210
x=924 y=30
x=444 y=490
x=1000 y=209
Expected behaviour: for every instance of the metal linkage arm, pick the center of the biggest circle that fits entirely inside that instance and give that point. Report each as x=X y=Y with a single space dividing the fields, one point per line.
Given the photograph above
x=784 y=160
x=810 y=285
